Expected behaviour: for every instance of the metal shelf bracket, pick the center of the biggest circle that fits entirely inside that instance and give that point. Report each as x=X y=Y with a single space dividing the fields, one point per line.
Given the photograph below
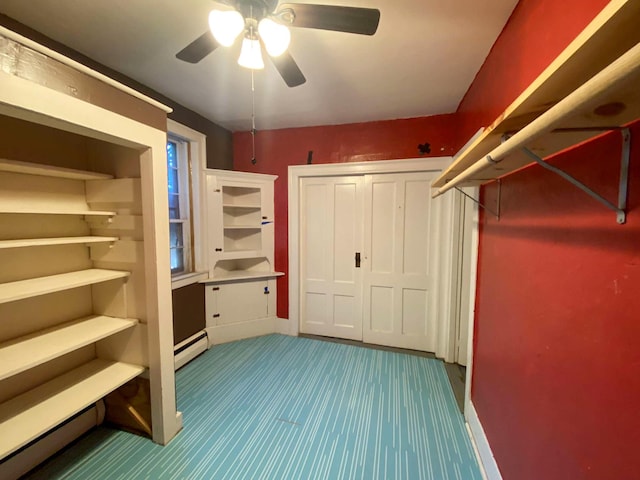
x=623 y=187
x=495 y=213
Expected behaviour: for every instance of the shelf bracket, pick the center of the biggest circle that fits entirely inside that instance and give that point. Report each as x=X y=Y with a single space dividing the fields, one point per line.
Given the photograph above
x=494 y=213
x=623 y=187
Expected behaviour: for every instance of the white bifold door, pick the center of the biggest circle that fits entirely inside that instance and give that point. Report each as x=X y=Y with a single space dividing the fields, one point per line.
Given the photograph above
x=331 y=229
x=367 y=252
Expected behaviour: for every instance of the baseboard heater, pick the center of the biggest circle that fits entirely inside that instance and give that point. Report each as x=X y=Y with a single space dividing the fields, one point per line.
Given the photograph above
x=36 y=452
x=190 y=348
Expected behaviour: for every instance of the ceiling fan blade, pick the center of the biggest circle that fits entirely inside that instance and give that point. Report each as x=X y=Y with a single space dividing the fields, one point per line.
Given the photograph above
x=198 y=49
x=289 y=70
x=363 y=21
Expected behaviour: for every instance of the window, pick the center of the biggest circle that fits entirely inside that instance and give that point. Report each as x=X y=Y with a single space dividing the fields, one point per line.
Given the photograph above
x=180 y=228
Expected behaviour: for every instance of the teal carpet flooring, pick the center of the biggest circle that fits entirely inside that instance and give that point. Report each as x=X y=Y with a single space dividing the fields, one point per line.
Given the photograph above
x=279 y=407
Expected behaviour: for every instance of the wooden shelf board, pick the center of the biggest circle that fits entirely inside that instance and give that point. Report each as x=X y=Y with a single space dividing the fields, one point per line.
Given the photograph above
x=39 y=242
x=242 y=227
x=29 y=351
x=27 y=210
x=12 y=291
x=242 y=206
x=550 y=134
x=613 y=32
x=241 y=275
x=17 y=166
x=25 y=417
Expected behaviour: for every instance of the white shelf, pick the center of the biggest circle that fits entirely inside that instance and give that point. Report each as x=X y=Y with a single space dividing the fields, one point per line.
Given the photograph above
x=40 y=211
x=25 y=417
x=242 y=275
x=242 y=206
x=12 y=291
x=40 y=242
x=29 y=351
x=16 y=166
x=242 y=227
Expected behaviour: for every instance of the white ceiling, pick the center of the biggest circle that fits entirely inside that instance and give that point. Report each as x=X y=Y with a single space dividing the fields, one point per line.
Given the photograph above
x=420 y=62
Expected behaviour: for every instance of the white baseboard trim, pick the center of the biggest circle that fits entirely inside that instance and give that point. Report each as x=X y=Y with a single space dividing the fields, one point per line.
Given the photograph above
x=237 y=331
x=488 y=465
x=188 y=354
x=23 y=461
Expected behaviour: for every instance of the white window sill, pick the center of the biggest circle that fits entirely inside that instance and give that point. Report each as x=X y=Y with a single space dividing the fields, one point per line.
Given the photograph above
x=185 y=279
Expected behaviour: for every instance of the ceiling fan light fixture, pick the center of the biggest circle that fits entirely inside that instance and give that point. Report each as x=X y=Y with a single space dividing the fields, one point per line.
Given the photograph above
x=226 y=26
x=251 y=54
x=276 y=37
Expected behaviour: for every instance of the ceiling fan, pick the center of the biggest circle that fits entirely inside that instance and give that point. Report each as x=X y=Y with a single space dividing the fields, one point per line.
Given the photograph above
x=264 y=24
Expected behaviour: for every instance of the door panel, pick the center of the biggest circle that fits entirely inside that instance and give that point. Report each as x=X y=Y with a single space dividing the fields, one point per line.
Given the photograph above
x=398 y=285
x=381 y=309
x=383 y=198
x=331 y=233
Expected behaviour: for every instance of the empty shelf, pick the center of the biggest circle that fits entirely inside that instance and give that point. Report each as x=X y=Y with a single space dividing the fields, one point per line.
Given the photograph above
x=16 y=166
x=242 y=227
x=25 y=417
x=26 y=352
x=610 y=98
x=245 y=206
x=241 y=275
x=612 y=33
x=12 y=291
x=39 y=242
x=39 y=211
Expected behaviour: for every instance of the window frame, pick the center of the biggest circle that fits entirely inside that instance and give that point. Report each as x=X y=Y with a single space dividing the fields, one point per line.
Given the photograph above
x=184 y=203
x=194 y=143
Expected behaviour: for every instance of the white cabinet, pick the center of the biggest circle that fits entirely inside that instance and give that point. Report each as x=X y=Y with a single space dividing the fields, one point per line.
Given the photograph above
x=240 y=292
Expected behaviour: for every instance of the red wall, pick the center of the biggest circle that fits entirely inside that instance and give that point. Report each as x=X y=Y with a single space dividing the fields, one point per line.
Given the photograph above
x=556 y=362
x=557 y=358
x=386 y=140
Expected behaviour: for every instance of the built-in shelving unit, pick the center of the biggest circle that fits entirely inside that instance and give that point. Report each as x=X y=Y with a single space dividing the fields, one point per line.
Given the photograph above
x=591 y=88
x=27 y=416
x=39 y=406
x=85 y=283
x=240 y=291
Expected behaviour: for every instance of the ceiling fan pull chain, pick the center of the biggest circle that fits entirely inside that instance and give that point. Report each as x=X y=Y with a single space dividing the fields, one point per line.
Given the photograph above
x=253 y=120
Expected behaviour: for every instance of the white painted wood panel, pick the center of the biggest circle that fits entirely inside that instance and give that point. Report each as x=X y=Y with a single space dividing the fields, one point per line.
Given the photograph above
x=399 y=301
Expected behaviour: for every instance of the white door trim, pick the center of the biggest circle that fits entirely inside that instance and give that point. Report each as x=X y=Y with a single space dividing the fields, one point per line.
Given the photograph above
x=297 y=172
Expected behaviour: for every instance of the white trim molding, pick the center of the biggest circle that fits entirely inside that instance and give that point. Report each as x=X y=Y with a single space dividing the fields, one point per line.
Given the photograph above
x=486 y=460
x=10 y=34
